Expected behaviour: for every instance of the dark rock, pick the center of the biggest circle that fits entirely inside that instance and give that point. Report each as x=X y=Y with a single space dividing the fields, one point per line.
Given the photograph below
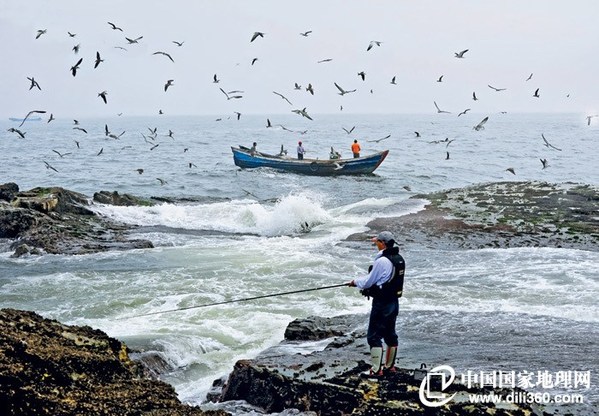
x=327 y=381
x=47 y=368
x=58 y=221
x=500 y=215
x=8 y=191
x=313 y=328
x=114 y=198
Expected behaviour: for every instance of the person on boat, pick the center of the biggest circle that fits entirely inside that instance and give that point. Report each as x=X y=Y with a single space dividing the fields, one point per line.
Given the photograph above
x=300 y=151
x=334 y=154
x=384 y=284
x=355 y=149
x=253 y=149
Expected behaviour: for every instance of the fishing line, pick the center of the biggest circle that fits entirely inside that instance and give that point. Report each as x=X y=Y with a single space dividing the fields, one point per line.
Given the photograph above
x=236 y=300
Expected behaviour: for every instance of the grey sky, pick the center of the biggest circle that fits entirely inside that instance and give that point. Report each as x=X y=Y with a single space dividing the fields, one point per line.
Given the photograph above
x=507 y=40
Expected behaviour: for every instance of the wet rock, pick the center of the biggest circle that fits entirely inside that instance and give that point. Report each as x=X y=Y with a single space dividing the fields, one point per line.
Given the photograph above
x=59 y=221
x=8 y=191
x=501 y=215
x=47 y=368
x=114 y=198
x=327 y=379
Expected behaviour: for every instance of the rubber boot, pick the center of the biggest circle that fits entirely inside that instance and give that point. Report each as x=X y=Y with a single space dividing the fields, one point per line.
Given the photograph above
x=376 y=358
x=390 y=361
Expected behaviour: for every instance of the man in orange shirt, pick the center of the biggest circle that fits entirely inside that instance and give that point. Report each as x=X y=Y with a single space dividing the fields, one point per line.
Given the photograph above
x=355 y=148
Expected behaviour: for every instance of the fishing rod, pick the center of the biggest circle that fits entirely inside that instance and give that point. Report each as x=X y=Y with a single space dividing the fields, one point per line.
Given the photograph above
x=236 y=300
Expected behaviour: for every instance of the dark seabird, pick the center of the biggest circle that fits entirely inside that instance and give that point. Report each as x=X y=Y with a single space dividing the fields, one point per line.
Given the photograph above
x=324 y=60
x=75 y=67
x=302 y=113
x=98 y=59
x=49 y=166
x=393 y=81
x=103 y=95
x=282 y=96
x=547 y=144
x=215 y=79
x=481 y=125
x=545 y=163
x=341 y=90
x=305 y=34
x=529 y=77
x=72 y=34
x=30 y=113
x=114 y=27
x=51 y=118
x=76 y=48
x=310 y=89
x=536 y=94
x=496 y=89
x=61 y=154
x=162 y=181
x=178 y=43
x=362 y=75
x=372 y=43
x=81 y=129
x=440 y=79
x=464 y=112
x=19 y=132
x=268 y=123
x=439 y=110
x=165 y=54
x=474 y=96
x=255 y=35
x=139 y=170
x=34 y=84
x=348 y=131
x=132 y=41
x=511 y=170
x=460 y=54
x=100 y=152
x=40 y=33
x=168 y=84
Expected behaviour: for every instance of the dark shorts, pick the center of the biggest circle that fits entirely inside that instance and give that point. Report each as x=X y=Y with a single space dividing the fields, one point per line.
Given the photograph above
x=381 y=326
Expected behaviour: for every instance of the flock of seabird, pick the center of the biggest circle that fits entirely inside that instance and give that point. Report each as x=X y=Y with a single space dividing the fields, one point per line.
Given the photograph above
x=238 y=94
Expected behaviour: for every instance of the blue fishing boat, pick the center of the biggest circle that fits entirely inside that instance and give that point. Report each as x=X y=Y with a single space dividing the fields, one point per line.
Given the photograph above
x=246 y=159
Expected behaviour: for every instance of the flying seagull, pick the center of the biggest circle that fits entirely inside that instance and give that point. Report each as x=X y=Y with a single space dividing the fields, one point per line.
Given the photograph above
x=103 y=95
x=348 y=131
x=268 y=123
x=496 y=89
x=30 y=113
x=310 y=89
x=529 y=77
x=165 y=54
x=132 y=41
x=80 y=128
x=254 y=61
x=49 y=166
x=464 y=112
x=40 y=33
x=255 y=35
x=282 y=96
x=302 y=113
x=511 y=170
x=34 y=84
x=230 y=97
x=324 y=60
x=215 y=79
x=168 y=84
x=481 y=126
x=379 y=140
x=72 y=34
x=19 y=132
x=51 y=118
x=536 y=94
x=114 y=27
x=474 y=96
x=393 y=81
x=440 y=79
x=162 y=181
x=305 y=34
x=460 y=54
x=75 y=67
x=372 y=43
x=342 y=91
x=547 y=144
x=362 y=75
x=61 y=154
x=178 y=43
x=439 y=110
x=98 y=59
x=76 y=48
x=545 y=163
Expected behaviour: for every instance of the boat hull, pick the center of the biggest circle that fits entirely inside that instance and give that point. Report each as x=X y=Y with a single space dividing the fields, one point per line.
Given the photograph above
x=358 y=166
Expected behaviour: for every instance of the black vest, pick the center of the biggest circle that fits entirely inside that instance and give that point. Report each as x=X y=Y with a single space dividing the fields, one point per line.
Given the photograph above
x=392 y=288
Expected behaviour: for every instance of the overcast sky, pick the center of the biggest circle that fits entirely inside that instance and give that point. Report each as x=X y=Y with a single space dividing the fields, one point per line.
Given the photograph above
x=507 y=40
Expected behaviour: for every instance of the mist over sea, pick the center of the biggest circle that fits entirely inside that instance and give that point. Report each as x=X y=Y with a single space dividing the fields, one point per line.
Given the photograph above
x=241 y=233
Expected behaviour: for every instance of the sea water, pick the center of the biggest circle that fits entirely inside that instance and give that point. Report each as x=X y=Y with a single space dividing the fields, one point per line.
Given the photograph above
x=243 y=233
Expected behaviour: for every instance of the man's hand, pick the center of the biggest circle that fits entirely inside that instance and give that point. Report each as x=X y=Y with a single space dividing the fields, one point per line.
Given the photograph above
x=351 y=284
